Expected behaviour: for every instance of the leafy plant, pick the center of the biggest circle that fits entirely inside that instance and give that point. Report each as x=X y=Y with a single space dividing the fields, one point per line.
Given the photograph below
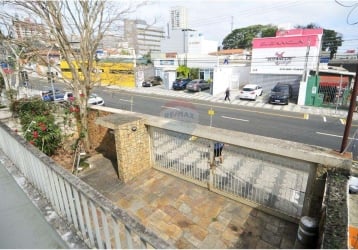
x=38 y=123
x=43 y=133
x=183 y=71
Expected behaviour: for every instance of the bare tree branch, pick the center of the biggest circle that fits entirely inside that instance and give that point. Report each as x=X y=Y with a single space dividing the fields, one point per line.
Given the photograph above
x=89 y=21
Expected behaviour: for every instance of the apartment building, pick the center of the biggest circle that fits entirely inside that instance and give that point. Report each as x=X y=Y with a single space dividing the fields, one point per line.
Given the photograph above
x=141 y=36
x=29 y=29
x=178 y=18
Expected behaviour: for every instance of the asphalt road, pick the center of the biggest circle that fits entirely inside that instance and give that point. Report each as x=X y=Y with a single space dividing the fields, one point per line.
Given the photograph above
x=293 y=126
x=278 y=124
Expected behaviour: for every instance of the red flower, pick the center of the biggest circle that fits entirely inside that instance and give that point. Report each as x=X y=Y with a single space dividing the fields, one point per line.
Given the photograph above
x=32 y=142
x=35 y=134
x=71 y=99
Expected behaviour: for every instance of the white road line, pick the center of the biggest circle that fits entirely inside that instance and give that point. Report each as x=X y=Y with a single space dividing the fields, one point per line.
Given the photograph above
x=324 y=119
x=164 y=107
x=232 y=118
x=329 y=134
x=339 y=136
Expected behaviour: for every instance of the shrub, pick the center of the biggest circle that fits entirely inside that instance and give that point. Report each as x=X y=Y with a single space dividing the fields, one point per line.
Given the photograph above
x=38 y=123
x=43 y=133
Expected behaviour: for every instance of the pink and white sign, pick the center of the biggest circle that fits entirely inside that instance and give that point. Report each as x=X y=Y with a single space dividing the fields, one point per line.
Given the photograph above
x=285 y=42
x=286 y=54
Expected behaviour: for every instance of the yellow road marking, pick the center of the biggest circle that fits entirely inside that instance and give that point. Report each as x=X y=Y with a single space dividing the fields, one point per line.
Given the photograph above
x=343 y=121
x=306 y=116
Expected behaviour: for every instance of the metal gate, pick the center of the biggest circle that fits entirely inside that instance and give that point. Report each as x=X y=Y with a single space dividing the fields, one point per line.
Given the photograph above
x=271 y=181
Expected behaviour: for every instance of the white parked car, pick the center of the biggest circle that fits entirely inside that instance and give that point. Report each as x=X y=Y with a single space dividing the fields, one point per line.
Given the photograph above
x=250 y=91
x=353 y=185
x=95 y=100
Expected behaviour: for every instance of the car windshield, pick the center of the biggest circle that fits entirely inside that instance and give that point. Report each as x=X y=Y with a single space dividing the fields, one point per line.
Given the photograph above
x=248 y=89
x=280 y=89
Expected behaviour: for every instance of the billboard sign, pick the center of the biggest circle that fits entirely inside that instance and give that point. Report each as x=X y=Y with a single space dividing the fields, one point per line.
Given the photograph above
x=285 y=54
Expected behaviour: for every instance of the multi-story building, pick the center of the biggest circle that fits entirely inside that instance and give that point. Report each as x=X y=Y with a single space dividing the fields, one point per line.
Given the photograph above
x=28 y=29
x=142 y=37
x=178 y=18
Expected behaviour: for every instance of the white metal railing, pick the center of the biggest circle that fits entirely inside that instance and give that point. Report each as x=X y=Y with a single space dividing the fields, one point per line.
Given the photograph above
x=98 y=222
x=272 y=181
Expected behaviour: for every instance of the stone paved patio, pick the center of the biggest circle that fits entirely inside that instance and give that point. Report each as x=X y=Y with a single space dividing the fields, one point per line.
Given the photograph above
x=187 y=215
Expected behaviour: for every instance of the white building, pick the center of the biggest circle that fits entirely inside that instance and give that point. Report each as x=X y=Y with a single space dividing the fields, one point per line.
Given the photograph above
x=140 y=36
x=178 y=18
x=287 y=57
x=197 y=44
x=186 y=46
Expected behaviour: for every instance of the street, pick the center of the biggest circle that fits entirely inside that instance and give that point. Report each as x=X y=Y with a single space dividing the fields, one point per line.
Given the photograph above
x=325 y=131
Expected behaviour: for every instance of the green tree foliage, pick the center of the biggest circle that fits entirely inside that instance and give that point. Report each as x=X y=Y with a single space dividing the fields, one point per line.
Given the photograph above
x=242 y=38
x=331 y=40
x=194 y=73
x=183 y=71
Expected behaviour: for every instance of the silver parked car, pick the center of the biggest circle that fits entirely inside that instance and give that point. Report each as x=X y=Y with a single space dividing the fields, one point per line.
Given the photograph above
x=197 y=85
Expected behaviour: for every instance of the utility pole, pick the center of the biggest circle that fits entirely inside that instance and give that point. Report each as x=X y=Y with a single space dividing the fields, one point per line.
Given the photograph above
x=352 y=106
x=304 y=76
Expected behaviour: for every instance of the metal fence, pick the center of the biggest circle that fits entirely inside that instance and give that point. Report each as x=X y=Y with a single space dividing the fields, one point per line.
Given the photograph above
x=98 y=222
x=271 y=181
x=335 y=97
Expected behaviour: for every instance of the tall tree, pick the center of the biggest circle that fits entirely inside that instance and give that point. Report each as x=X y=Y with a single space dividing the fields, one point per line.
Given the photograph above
x=242 y=38
x=89 y=21
x=331 y=39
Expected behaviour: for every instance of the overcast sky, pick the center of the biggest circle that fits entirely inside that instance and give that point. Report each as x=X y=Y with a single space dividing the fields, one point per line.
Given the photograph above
x=215 y=18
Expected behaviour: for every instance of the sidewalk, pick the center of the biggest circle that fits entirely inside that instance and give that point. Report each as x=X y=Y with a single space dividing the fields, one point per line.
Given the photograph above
x=22 y=223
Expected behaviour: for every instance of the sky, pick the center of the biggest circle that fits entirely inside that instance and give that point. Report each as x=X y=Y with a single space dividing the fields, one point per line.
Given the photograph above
x=216 y=18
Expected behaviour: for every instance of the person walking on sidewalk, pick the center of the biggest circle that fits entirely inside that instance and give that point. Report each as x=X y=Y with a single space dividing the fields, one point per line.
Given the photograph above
x=227 y=94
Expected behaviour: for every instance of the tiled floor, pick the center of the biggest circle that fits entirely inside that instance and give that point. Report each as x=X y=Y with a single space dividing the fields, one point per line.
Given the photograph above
x=187 y=215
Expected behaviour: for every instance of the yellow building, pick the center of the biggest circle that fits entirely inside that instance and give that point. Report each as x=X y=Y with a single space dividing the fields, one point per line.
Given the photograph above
x=107 y=72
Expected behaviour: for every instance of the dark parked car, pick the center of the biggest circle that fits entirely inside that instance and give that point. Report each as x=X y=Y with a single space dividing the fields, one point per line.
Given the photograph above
x=47 y=95
x=180 y=83
x=281 y=94
x=152 y=81
x=197 y=85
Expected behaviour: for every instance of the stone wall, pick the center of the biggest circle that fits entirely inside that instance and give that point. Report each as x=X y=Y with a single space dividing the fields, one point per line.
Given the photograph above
x=101 y=138
x=133 y=154
x=335 y=213
x=124 y=138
